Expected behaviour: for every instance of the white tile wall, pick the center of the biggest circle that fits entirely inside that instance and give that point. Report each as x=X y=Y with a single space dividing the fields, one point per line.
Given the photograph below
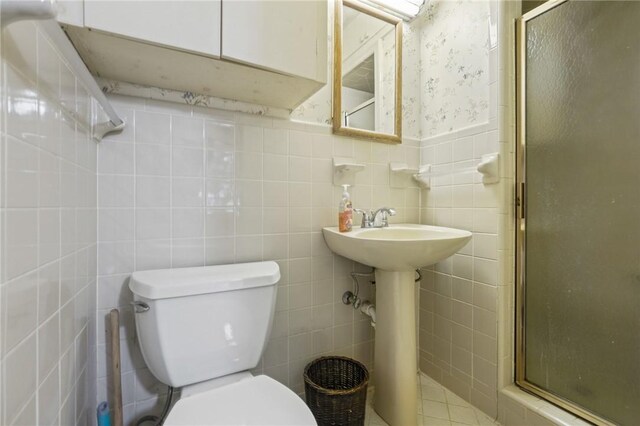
x=189 y=186
x=48 y=228
x=459 y=306
x=458 y=300
x=518 y=407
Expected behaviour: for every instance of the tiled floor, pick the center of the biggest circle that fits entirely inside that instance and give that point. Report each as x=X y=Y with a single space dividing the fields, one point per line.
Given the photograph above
x=439 y=407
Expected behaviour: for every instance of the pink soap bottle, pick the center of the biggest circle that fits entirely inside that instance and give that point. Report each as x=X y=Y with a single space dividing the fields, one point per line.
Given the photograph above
x=345 y=211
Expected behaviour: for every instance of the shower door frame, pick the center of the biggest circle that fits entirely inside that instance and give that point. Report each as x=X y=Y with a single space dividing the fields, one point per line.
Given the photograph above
x=520 y=212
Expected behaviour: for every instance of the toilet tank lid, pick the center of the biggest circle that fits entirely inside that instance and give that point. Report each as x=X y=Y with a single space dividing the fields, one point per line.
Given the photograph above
x=168 y=283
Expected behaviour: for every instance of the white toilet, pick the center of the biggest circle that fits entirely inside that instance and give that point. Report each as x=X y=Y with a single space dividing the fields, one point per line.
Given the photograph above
x=202 y=329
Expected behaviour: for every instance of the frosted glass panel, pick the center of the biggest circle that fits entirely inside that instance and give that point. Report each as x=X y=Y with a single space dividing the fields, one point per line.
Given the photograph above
x=583 y=206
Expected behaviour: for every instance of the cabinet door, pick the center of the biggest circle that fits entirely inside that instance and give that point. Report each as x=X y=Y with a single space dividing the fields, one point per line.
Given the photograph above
x=71 y=12
x=285 y=36
x=186 y=25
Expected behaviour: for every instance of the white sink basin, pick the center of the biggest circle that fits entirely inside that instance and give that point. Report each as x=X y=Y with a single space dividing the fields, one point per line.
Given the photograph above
x=402 y=247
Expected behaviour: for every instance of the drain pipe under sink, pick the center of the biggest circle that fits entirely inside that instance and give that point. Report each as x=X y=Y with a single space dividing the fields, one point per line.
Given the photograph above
x=366 y=307
x=369 y=309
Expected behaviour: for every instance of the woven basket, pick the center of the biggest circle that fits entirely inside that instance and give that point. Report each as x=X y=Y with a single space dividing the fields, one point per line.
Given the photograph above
x=336 y=390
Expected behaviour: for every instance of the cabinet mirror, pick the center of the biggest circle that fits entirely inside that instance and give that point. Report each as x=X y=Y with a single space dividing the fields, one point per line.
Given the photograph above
x=367 y=76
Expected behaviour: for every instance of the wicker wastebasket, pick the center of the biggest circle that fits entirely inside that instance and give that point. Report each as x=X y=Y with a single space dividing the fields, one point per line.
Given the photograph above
x=336 y=390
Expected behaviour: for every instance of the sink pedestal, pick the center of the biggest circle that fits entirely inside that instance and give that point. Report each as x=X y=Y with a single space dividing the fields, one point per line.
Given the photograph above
x=396 y=380
x=402 y=247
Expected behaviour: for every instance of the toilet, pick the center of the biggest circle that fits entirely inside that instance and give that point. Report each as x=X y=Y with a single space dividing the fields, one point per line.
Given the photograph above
x=202 y=329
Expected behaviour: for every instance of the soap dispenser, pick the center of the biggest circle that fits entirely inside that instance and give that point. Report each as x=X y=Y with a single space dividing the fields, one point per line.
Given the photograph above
x=345 y=211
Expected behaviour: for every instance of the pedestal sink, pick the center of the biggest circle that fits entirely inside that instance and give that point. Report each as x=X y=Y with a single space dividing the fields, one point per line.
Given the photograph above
x=396 y=252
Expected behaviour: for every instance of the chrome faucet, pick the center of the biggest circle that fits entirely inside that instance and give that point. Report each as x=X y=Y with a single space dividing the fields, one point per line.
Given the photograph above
x=370 y=218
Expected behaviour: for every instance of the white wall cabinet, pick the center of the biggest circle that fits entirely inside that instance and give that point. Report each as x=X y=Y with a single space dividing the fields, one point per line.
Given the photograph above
x=267 y=52
x=187 y=25
x=71 y=12
x=283 y=36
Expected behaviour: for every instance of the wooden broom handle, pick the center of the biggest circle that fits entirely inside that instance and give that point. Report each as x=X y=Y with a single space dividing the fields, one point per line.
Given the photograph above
x=114 y=321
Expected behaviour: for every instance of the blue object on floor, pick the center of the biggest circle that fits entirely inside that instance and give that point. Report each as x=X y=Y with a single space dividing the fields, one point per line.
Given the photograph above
x=104 y=416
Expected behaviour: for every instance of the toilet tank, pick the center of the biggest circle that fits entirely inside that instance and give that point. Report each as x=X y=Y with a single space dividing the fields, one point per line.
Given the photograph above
x=204 y=322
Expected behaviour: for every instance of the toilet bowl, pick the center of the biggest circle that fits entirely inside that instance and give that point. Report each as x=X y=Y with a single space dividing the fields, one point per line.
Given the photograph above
x=250 y=400
x=202 y=329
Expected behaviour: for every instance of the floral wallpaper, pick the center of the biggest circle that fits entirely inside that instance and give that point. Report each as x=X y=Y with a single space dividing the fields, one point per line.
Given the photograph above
x=411 y=67
x=454 y=69
x=388 y=82
x=189 y=98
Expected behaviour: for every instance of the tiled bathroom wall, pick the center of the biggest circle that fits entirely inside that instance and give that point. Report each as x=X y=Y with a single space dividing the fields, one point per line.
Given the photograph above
x=185 y=186
x=192 y=186
x=48 y=228
x=459 y=297
x=458 y=322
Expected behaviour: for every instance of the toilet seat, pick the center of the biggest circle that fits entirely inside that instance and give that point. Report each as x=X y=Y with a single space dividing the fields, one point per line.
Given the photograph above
x=256 y=401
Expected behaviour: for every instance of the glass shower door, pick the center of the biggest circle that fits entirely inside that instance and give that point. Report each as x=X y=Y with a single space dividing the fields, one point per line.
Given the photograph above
x=579 y=235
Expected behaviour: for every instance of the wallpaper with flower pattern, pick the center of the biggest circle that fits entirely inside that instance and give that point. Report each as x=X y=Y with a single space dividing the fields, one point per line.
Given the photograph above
x=454 y=70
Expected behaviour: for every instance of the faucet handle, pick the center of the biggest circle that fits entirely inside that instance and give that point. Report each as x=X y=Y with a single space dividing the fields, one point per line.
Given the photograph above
x=384 y=213
x=366 y=217
x=385 y=216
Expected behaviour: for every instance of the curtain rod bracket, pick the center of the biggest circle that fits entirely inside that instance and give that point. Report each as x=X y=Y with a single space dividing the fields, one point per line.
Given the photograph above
x=100 y=130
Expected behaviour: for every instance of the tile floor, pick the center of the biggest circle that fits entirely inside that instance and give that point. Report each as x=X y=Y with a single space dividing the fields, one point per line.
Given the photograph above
x=439 y=407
